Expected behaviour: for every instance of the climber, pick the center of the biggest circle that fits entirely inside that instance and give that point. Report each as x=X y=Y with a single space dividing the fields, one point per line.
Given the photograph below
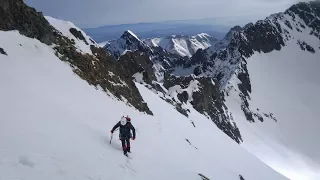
x=125 y=133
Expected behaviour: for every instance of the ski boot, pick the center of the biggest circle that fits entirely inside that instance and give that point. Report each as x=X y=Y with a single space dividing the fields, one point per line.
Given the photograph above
x=125 y=153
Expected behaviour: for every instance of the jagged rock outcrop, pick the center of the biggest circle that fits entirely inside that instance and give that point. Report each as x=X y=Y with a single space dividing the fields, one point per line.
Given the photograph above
x=229 y=56
x=203 y=177
x=99 y=69
x=241 y=177
x=127 y=42
x=78 y=35
x=270 y=35
x=16 y=15
x=162 y=60
x=2 y=51
x=138 y=62
x=204 y=95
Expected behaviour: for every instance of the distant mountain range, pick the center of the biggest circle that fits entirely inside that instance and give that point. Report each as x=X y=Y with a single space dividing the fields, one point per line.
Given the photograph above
x=175 y=44
x=183 y=45
x=151 y=30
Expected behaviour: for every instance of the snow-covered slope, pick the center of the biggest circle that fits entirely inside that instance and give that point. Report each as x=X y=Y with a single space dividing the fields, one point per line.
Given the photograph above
x=183 y=45
x=68 y=29
x=56 y=126
x=281 y=76
x=285 y=83
x=57 y=115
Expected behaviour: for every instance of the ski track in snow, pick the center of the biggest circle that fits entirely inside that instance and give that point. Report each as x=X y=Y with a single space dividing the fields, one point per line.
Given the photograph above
x=55 y=126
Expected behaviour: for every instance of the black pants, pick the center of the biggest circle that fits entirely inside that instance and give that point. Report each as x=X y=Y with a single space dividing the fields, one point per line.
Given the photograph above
x=125 y=144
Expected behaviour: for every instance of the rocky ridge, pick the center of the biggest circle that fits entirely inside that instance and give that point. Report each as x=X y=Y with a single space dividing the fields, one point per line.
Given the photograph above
x=99 y=70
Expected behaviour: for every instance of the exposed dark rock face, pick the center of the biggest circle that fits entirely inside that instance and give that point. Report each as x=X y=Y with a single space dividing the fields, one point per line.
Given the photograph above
x=262 y=37
x=138 y=62
x=3 y=52
x=92 y=41
x=15 y=15
x=207 y=100
x=232 y=31
x=98 y=70
x=241 y=177
x=203 y=177
x=191 y=144
x=243 y=76
x=183 y=97
x=309 y=13
x=197 y=71
x=198 y=58
x=286 y=22
x=130 y=42
x=304 y=46
x=78 y=35
x=245 y=89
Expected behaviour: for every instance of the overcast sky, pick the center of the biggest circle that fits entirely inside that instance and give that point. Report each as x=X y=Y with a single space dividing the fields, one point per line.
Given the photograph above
x=93 y=13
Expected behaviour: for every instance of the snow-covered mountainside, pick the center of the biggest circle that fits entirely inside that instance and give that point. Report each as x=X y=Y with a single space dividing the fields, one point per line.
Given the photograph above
x=155 y=67
x=279 y=73
x=76 y=35
x=267 y=71
x=266 y=54
x=86 y=59
x=58 y=104
x=56 y=126
x=130 y=42
x=183 y=45
x=253 y=87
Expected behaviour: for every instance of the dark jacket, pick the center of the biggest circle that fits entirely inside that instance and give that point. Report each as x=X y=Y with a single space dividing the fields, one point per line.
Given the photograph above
x=125 y=130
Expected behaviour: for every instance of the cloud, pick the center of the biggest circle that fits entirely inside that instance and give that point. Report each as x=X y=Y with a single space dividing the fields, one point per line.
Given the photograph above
x=100 y=12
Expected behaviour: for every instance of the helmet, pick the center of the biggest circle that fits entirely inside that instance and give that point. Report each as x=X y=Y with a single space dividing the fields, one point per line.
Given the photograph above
x=123 y=121
x=128 y=118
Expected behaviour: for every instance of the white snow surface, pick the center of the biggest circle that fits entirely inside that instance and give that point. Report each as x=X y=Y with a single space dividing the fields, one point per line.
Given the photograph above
x=102 y=44
x=177 y=89
x=287 y=84
x=65 y=26
x=183 y=45
x=55 y=126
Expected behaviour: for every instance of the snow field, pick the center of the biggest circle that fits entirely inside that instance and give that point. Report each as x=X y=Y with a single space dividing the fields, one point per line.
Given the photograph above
x=55 y=126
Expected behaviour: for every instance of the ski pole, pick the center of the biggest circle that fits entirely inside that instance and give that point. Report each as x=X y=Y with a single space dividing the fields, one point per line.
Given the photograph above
x=111 y=137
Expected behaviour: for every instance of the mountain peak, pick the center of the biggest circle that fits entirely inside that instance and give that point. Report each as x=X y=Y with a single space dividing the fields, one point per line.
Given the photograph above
x=233 y=30
x=129 y=34
x=127 y=42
